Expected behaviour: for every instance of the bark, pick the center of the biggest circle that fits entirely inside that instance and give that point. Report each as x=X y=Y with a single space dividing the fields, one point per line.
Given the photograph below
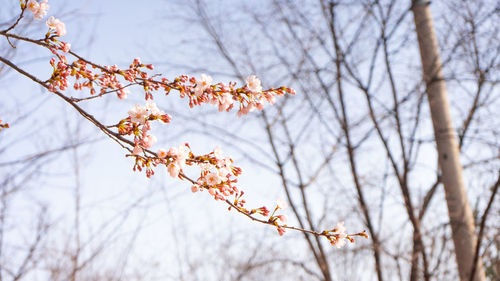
x=460 y=213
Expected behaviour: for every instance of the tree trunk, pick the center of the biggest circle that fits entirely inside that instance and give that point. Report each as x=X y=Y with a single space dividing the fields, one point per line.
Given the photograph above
x=460 y=213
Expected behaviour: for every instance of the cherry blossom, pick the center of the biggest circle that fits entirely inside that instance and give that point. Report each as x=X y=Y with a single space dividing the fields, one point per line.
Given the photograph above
x=180 y=154
x=162 y=153
x=226 y=101
x=39 y=10
x=153 y=109
x=224 y=172
x=123 y=93
x=270 y=98
x=202 y=84
x=173 y=170
x=149 y=141
x=253 y=84
x=56 y=25
x=282 y=218
x=137 y=150
x=65 y=47
x=339 y=240
x=212 y=178
x=138 y=114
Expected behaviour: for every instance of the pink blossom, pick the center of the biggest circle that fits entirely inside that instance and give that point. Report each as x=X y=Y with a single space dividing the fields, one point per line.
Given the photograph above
x=194 y=189
x=338 y=242
x=251 y=106
x=138 y=114
x=149 y=141
x=253 y=84
x=173 y=170
x=123 y=93
x=212 y=179
x=39 y=10
x=243 y=111
x=57 y=25
x=214 y=101
x=271 y=99
x=226 y=101
x=137 y=150
x=340 y=238
x=218 y=152
x=162 y=153
x=212 y=191
x=155 y=111
x=227 y=161
x=112 y=68
x=33 y=6
x=173 y=151
x=219 y=157
x=223 y=172
x=66 y=47
x=282 y=218
x=339 y=228
x=202 y=84
x=181 y=154
x=206 y=167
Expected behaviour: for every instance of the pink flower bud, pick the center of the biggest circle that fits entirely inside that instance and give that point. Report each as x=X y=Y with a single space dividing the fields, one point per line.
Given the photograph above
x=149 y=141
x=173 y=170
x=66 y=47
x=281 y=230
x=137 y=150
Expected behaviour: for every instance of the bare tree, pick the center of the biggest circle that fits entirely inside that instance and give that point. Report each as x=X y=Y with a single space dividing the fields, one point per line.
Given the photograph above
x=353 y=63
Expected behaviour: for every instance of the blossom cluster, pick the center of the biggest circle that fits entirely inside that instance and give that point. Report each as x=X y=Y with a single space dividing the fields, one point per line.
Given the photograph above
x=39 y=10
x=57 y=25
x=280 y=205
x=138 y=125
x=217 y=174
x=111 y=79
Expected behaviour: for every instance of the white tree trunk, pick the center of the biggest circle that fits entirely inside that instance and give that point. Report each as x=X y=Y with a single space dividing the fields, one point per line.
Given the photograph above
x=461 y=218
